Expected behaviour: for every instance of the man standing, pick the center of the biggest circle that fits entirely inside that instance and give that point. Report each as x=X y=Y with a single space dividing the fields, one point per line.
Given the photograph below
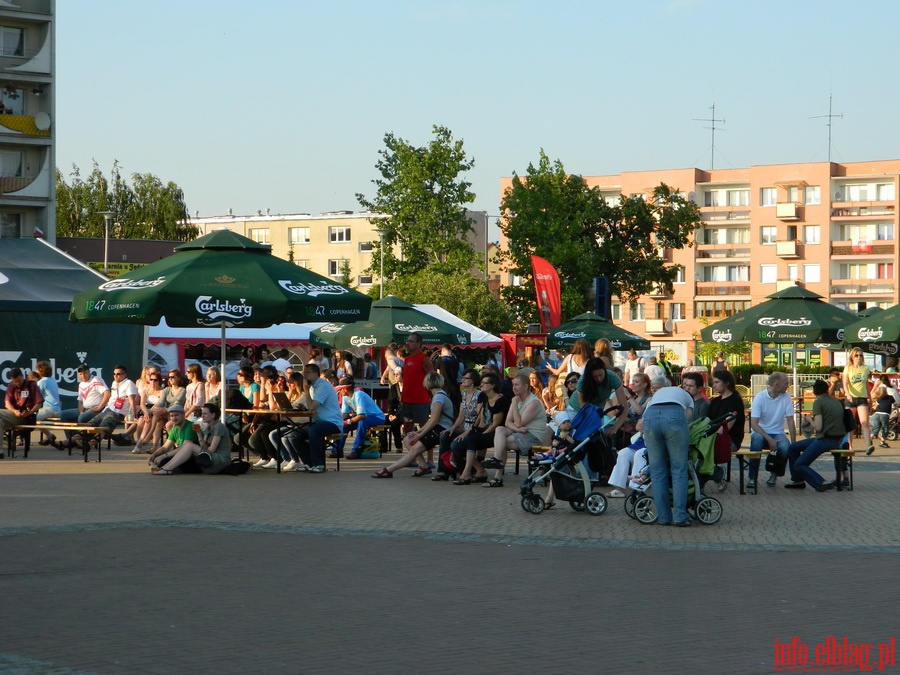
x=326 y=420
x=653 y=370
x=633 y=365
x=123 y=399
x=22 y=401
x=828 y=422
x=770 y=409
x=415 y=401
x=692 y=383
x=548 y=364
x=282 y=363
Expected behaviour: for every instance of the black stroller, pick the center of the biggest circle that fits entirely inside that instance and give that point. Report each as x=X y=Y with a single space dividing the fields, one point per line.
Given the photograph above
x=567 y=473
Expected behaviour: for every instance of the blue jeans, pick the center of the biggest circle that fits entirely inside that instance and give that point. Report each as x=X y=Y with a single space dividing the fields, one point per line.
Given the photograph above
x=803 y=453
x=362 y=428
x=668 y=441
x=880 y=424
x=290 y=437
x=758 y=444
x=312 y=449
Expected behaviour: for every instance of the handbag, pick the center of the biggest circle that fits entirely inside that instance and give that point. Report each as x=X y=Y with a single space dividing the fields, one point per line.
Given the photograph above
x=722 y=449
x=204 y=459
x=776 y=463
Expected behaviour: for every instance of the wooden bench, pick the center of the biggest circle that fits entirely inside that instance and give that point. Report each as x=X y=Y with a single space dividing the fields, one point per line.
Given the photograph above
x=840 y=453
x=743 y=456
x=335 y=443
x=85 y=430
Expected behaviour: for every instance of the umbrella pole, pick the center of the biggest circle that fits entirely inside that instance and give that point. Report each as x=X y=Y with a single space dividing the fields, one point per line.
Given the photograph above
x=224 y=388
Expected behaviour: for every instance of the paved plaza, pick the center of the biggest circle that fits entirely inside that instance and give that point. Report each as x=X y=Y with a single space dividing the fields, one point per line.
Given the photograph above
x=108 y=569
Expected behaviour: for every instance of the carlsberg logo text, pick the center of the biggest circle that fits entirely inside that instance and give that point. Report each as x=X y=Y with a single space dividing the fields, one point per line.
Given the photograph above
x=312 y=290
x=870 y=334
x=222 y=309
x=772 y=322
x=131 y=284
x=721 y=336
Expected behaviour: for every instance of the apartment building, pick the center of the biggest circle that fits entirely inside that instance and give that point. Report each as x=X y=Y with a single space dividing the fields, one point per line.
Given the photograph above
x=830 y=227
x=325 y=243
x=27 y=150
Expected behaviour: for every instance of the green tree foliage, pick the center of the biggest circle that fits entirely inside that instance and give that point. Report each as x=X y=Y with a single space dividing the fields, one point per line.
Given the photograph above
x=457 y=292
x=147 y=209
x=557 y=216
x=424 y=197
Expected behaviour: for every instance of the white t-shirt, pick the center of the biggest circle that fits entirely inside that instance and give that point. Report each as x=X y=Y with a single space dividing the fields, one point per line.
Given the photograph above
x=90 y=393
x=654 y=371
x=672 y=395
x=632 y=368
x=771 y=412
x=281 y=365
x=119 y=398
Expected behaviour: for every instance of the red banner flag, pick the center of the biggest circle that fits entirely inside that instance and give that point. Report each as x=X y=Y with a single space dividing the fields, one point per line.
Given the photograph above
x=546 y=286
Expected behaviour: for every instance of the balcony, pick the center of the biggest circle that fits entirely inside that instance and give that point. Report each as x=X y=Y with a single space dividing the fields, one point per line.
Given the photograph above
x=789 y=248
x=787 y=211
x=719 y=252
x=14 y=183
x=657 y=327
x=849 y=288
x=849 y=211
x=719 y=288
x=856 y=249
x=26 y=125
x=659 y=291
x=717 y=214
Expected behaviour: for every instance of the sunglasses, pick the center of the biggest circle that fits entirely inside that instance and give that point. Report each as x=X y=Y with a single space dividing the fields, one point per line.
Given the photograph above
x=153 y=379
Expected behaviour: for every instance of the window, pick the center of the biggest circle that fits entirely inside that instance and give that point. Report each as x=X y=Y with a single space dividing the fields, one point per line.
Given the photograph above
x=11 y=225
x=676 y=311
x=616 y=311
x=11 y=164
x=338 y=234
x=792 y=232
x=711 y=198
x=885 y=232
x=856 y=193
x=637 y=311
x=364 y=280
x=768 y=274
x=768 y=234
x=737 y=197
x=334 y=267
x=12 y=41
x=792 y=272
x=811 y=234
x=856 y=271
x=726 y=273
x=812 y=194
x=886 y=192
x=885 y=271
x=767 y=196
x=812 y=274
x=793 y=194
x=13 y=100
x=302 y=263
x=679 y=275
x=298 y=235
x=739 y=235
x=713 y=235
x=717 y=309
x=365 y=246
x=259 y=234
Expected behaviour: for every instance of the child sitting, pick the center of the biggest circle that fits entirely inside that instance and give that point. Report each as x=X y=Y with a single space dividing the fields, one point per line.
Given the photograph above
x=562 y=439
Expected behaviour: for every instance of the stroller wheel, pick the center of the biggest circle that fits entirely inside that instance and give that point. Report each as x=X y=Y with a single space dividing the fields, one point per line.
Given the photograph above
x=577 y=506
x=708 y=510
x=891 y=435
x=533 y=503
x=595 y=504
x=645 y=510
x=630 y=501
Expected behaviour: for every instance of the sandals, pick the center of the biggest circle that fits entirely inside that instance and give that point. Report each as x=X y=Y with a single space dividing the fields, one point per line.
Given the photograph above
x=49 y=438
x=492 y=463
x=440 y=476
x=494 y=482
x=421 y=472
x=163 y=472
x=384 y=473
x=463 y=481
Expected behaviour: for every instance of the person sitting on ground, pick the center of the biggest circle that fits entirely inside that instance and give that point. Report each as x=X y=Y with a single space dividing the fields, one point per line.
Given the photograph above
x=454 y=439
x=365 y=415
x=494 y=408
x=173 y=394
x=525 y=427
x=180 y=434
x=828 y=421
x=692 y=383
x=428 y=435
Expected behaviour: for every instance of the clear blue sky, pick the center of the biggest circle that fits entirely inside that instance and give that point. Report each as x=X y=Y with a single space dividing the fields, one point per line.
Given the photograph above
x=284 y=103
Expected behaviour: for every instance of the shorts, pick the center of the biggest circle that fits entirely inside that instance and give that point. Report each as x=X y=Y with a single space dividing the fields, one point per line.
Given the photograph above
x=415 y=412
x=524 y=442
x=856 y=402
x=432 y=438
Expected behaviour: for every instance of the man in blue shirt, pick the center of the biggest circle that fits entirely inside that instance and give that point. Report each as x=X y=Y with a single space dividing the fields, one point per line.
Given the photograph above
x=326 y=419
x=362 y=414
x=547 y=363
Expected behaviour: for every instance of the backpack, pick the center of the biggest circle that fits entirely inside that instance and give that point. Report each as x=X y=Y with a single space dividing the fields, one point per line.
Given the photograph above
x=236 y=468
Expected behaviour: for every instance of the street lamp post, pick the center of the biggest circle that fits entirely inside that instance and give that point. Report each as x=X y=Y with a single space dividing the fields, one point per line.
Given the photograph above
x=107 y=216
x=487 y=275
x=381 y=232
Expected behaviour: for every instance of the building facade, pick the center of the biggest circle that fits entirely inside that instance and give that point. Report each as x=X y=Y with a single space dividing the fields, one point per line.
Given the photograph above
x=27 y=137
x=327 y=243
x=828 y=226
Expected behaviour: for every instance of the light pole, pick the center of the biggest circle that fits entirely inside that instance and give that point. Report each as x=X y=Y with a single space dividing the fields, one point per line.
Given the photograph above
x=381 y=232
x=107 y=216
x=487 y=275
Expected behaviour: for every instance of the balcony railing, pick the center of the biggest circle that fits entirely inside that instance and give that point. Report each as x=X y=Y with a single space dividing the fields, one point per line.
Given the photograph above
x=879 y=248
x=720 y=251
x=722 y=288
x=657 y=327
x=23 y=124
x=842 y=209
x=14 y=183
x=862 y=286
x=787 y=211
x=789 y=248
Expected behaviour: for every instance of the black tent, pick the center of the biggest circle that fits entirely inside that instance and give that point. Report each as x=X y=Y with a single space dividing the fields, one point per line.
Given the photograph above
x=37 y=284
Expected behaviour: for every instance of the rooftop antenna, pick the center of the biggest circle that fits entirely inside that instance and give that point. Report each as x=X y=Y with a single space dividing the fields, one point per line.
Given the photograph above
x=830 y=117
x=713 y=120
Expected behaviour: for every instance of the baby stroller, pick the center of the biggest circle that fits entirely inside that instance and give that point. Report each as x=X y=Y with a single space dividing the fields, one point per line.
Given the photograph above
x=567 y=473
x=701 y=464
x=893 y=432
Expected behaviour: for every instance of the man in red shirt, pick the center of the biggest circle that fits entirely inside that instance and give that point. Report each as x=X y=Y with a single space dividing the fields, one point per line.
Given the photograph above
x=23 y=400
x=414 y=398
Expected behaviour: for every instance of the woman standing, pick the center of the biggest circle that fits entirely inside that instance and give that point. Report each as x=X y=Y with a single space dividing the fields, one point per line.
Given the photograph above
x=454 y=438
x=856 y=389
x=725 y=401
x=575 y=360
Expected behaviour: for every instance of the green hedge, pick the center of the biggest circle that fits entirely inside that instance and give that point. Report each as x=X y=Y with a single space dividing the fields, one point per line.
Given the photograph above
x=743 y=372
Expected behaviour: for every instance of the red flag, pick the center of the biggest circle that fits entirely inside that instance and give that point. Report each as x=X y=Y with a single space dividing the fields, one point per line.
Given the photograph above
x=546 y=286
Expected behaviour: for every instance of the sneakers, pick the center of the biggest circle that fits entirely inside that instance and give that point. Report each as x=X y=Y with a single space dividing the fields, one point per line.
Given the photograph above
x=259 y=463
x=317 y=469
x=870 y=450
x=771 y=480
x=751 y=484
x=303 y=468
x=271 y=464
x=290 y=466
x=721 y=485
x=883 y=445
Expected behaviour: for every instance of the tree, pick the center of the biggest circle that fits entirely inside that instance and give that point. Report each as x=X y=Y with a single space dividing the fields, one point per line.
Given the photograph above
x=149 y=210
x=557 y=216
x=458 y=292
x=424 y=197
